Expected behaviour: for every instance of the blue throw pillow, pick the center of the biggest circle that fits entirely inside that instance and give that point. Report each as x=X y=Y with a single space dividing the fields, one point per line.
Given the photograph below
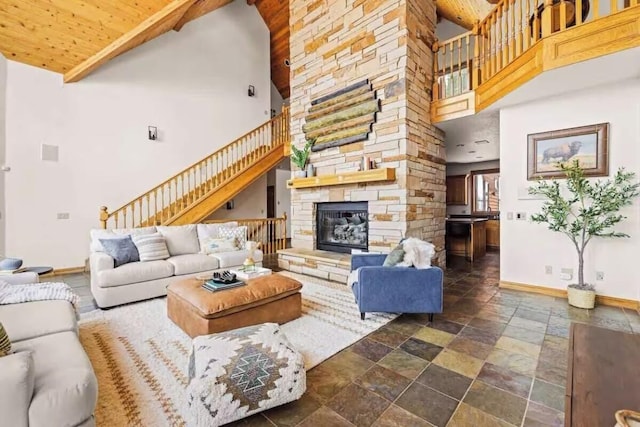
x=121 y=249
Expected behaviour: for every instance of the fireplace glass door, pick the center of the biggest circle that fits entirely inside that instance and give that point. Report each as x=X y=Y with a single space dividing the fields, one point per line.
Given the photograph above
x=341 y=227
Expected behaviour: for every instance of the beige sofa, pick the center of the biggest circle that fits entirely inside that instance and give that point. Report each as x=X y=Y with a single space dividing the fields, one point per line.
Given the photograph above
x=138 y=281
x=48 y=380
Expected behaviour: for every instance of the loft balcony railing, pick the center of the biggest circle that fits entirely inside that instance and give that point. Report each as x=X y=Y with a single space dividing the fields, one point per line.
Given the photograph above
x=464 y=62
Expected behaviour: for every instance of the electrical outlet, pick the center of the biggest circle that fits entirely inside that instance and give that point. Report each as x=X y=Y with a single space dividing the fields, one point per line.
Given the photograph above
x=599 y=275
x=548 y=269
x=63 y=215
x=509 y=216
x=521 y=216
x=566 y=273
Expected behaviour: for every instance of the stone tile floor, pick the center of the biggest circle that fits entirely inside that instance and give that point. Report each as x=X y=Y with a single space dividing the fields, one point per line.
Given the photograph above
x=493 y=358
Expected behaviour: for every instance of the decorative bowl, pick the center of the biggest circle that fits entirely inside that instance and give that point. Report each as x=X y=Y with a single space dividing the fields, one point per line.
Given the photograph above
x=10 y=264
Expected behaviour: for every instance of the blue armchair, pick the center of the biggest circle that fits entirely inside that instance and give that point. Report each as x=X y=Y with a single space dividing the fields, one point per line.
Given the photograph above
x=395 y=289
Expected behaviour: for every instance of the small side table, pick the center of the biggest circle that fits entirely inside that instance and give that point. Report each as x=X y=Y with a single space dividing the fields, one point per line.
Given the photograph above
x=38 y=270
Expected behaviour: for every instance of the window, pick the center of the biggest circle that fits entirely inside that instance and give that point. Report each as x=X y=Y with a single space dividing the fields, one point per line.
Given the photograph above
x=486 y=191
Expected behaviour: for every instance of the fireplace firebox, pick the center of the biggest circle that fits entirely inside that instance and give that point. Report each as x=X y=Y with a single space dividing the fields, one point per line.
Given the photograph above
x=342 y=226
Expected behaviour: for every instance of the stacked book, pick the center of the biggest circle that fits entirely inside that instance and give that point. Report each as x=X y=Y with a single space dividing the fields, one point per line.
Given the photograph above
x=222 y=281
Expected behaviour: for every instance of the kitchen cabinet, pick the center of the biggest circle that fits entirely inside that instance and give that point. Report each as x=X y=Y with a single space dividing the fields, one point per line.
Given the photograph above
x=457 y=190
x=493 y=233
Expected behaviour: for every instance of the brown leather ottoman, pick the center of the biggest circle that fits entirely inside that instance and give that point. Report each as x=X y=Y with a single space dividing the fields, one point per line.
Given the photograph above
x=274 y=298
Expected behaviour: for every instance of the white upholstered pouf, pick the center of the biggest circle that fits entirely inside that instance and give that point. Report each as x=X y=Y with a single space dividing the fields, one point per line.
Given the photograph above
x=238 y=373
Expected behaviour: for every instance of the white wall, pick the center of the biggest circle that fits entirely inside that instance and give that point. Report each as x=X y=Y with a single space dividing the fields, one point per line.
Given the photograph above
x=276 y=99
x=464 y=169
x=3 y=86
x=250 y=203
x=446 y=29
x=283 y=196
x=527 y=247
x=192 y=84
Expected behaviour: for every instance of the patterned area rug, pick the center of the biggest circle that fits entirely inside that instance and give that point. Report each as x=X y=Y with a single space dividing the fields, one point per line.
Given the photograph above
x=140 y=356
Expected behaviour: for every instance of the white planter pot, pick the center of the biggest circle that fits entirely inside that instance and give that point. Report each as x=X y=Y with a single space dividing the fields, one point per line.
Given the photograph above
x=300 y=174
x=581 y=298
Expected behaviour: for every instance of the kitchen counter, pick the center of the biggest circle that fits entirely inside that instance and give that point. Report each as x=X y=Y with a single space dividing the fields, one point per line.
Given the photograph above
x=466 y=237
x=467 y=220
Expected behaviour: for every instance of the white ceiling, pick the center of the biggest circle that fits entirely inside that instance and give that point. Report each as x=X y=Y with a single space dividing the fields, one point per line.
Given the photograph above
x=463 y=136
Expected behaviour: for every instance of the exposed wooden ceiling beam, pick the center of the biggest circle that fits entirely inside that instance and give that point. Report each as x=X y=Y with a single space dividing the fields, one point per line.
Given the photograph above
x=199 y=8
x=155 y=25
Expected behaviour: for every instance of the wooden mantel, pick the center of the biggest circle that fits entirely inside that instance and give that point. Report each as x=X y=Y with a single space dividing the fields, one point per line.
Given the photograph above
x=372 y=175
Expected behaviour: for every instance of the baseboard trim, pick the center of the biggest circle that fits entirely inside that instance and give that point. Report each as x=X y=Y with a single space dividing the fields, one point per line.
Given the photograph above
x=562 y=293
x=68 y=270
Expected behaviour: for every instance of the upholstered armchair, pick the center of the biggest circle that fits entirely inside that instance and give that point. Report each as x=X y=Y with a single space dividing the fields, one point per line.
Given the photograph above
x=395 y=289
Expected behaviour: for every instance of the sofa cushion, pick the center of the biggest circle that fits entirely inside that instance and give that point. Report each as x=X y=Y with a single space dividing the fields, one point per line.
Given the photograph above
x=121 y=249
x=135 y=272
x=151 y=247
x=16 y=388
x=181 y=239
x=99 y=233
x=5 y=342
x=236 y=258
x=33 y=319
x=66 y=388
x=192 y=263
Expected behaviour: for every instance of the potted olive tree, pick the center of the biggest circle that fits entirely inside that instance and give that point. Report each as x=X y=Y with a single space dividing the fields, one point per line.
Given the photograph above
x=300 y=157
x=588 y=209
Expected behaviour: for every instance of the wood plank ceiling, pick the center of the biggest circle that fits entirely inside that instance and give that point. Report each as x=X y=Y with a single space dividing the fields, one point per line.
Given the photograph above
x=276 y=15
x=463 y=12
x=74 y=37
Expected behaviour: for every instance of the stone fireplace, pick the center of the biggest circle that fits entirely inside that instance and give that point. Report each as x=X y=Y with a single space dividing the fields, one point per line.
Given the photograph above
x=342 y=227
x=335 y=45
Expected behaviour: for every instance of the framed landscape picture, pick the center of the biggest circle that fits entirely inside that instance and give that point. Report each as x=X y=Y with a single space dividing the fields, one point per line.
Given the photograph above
x=587 y=144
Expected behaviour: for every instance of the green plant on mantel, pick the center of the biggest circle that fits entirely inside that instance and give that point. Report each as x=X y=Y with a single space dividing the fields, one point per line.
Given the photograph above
x=590 y=208
x=299 y=157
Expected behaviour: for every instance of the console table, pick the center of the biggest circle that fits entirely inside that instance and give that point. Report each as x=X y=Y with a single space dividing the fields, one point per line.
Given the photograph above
x=602 y=375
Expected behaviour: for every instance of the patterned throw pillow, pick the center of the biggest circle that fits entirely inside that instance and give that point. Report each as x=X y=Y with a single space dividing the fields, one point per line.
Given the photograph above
x=239 y=233
x=5 y=343
x=151 y=247
x=211 y=245
x=121 y=249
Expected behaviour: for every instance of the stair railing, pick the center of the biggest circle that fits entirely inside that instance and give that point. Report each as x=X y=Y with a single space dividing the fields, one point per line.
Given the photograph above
x=168 y=199
x=271 y=232
x=464 y=62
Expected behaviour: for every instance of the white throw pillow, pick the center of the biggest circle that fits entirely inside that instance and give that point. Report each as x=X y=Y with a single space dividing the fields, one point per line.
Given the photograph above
x=99 y=233
x=151 y=247
x=239 y=233
x=181 y=239
x=212 y=245
x=211 y=231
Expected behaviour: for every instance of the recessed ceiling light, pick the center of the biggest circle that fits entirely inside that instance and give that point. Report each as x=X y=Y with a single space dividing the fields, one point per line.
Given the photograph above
x=472 y=152
x=478 y=157
x=482 y=141
x=459 y=145
x=459 y=18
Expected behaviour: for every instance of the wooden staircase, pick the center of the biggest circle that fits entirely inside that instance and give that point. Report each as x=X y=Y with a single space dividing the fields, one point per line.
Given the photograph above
x=195 y=193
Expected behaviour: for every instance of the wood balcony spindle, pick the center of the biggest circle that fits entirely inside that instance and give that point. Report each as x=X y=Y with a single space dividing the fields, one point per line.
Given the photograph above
x=512 y=31
x=547 y=18
x=435 y=88
x=595 y=7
